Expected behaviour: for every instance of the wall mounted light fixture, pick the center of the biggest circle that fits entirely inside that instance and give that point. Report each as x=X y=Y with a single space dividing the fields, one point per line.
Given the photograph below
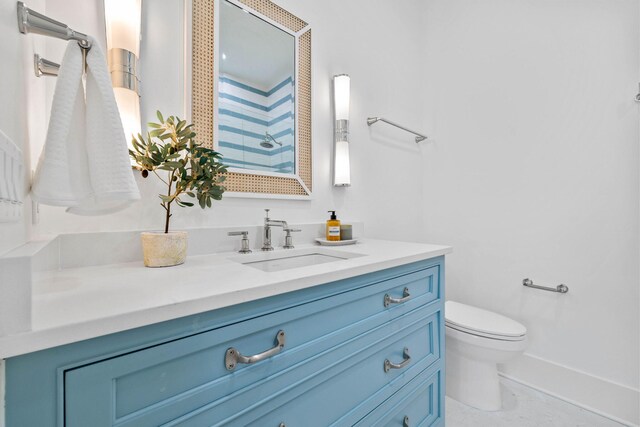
x=122 y=20
x=341 y=166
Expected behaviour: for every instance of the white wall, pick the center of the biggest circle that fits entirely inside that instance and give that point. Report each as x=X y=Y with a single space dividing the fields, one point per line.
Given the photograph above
x=533 y=171
x=385 y=169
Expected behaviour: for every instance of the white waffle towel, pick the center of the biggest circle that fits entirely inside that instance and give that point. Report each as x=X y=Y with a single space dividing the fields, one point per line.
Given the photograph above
x=85 y=162
x=11 y=178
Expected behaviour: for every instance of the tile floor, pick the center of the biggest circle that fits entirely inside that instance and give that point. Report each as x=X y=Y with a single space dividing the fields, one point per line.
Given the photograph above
x=524 y=407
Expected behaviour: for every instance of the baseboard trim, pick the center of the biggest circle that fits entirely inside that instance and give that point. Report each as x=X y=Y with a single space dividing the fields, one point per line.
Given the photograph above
x=609 y=399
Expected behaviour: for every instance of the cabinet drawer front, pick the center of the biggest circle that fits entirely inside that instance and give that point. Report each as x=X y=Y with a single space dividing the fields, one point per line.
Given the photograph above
x=347 y=382
x=419 y=403
x=154 y=385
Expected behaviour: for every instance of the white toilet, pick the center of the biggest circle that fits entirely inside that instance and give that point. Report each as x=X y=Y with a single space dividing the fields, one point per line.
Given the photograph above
x=476 y=341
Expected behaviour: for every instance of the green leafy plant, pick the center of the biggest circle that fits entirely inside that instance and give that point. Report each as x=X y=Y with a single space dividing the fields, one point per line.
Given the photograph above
x=192 y=170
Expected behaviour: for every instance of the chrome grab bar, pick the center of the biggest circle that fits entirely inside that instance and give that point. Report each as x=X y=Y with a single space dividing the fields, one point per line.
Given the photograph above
x=561 y=288
x=389 y=300
x=372 y=120
x=233 y=357
x=388 y=365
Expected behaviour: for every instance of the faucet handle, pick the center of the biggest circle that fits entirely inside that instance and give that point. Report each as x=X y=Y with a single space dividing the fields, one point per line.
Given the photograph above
x=245 y=240
x=267 y=213
x=288 y=240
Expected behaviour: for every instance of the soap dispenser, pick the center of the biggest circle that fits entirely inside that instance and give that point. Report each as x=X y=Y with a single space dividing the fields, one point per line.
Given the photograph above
x=333 y=227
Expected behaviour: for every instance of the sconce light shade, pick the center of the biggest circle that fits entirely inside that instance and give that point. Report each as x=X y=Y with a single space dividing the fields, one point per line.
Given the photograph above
x=122 y=21
x=341 y=165
x=342 y=172
x=341 y=94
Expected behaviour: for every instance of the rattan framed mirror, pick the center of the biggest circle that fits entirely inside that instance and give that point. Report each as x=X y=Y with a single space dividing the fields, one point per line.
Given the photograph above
x=293 y=181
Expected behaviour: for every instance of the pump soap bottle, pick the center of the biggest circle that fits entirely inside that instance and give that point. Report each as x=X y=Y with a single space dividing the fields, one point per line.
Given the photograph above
x=333 y=227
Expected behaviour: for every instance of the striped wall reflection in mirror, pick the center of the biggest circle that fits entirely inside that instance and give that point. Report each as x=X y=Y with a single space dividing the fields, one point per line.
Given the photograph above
x=256 y=93
x=256 y=127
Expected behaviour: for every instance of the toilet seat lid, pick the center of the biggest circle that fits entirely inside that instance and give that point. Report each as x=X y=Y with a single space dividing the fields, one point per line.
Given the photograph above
x=483 y=322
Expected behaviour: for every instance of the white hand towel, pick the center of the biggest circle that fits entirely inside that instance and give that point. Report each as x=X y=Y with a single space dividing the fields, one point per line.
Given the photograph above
x=85 y=163
x=112 y=181
x=62 y=175
x=11 y=177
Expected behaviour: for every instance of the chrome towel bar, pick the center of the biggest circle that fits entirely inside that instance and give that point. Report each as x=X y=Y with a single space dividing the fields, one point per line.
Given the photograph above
x=372 y=120
x=561 y=288
x=30 y=21
x=44 y=67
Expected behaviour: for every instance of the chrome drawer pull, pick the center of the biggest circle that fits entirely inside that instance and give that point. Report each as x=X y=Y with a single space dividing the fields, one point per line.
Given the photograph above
x=233 y=356
x=388 y=365
x=405 y=297
x=405 y=421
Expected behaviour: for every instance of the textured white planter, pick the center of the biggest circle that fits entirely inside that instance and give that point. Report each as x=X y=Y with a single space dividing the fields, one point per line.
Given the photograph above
x=164 y=249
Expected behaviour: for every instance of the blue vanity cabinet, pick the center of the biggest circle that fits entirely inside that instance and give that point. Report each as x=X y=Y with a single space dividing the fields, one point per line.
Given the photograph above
x=346 y=355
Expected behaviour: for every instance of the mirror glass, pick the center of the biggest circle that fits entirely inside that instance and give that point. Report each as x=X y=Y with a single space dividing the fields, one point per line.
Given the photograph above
x=256 y=93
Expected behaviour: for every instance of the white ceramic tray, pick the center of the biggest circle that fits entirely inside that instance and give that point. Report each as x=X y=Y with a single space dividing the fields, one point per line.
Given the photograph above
x=325 y=242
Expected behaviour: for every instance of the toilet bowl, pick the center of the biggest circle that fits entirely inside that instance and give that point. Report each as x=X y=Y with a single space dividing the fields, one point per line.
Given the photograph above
x=476 y=341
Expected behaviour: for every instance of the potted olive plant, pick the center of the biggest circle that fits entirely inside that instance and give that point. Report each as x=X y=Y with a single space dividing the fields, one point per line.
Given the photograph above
x=170 y=152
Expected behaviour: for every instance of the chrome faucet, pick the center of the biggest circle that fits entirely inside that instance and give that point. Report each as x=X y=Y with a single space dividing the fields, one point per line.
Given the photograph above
x=268 y=223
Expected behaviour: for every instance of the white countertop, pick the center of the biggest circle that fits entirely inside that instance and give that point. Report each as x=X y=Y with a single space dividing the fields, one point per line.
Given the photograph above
x=74 y=304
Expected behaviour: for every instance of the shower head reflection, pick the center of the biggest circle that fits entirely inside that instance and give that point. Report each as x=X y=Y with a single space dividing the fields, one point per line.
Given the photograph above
x=267 y=142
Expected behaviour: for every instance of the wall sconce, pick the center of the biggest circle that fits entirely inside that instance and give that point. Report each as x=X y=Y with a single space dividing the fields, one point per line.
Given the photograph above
x=122 y=20
x=341 y=167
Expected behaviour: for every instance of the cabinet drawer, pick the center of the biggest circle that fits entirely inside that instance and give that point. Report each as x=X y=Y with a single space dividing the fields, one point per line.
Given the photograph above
x=158 y=384
x=339 y=387
x=418 y=403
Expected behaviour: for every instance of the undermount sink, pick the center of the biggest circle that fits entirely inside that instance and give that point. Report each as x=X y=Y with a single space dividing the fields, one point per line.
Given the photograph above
x=285 y=259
